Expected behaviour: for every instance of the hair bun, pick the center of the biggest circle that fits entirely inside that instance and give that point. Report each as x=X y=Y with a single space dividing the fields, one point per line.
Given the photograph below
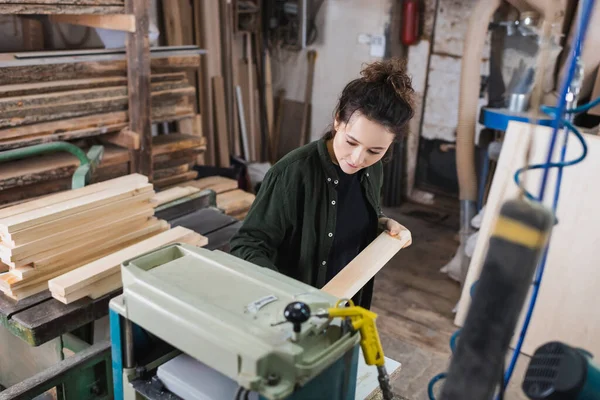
x=390 y=72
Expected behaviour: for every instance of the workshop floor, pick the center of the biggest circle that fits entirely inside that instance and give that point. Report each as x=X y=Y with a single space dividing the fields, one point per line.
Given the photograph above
x=414 y=302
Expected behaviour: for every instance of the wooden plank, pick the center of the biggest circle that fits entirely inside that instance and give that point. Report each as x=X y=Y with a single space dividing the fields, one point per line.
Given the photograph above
x=221 y=122
x=174 y=142
x=167 y=172
x=35 y=170
x=67 y=136
x=138 y=73
x=59 y=9
x=119 y=22
x=132 y=179
x=235 y=201
x=22 y=194
x=54 y=211
x=27 y=89
x=99 y=289
x=68 y=2
x=365 y=266
x=206 y=26
x=172 y=180
x=160 y=63
x=173 y=193
x=69 y=96
x=567 y=295
x=217 y=183
x=49 y=128
x=100 y=269
x=124 y=138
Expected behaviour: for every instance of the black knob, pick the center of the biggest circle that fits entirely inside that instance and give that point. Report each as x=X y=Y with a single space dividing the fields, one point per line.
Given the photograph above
x=297 y=313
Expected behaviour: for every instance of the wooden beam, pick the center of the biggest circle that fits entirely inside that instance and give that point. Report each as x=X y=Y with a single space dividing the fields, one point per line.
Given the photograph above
x=125 y=138
x=118 y=22
x=365 y=265
x=138 y=72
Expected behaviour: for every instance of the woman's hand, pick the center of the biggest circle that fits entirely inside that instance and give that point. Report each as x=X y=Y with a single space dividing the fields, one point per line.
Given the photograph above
x=392 y=227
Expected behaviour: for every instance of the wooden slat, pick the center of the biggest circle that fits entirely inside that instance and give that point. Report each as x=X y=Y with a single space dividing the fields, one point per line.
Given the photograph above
x=120 y=22
x=124 y=138
x=138 y=71
x=172 y=180
x=100 y=269
x=167 y=172
x=217 y=183
x=366 y=265
x=49 y=128
x=174 y=142
x=171 y=194
x=99 y=289
x=133 y=179
x=54 y=211
x=91 y=69
x=235 y=201
x=68 y=2
x=222 y=134
x=27 y=89
x=59 y=9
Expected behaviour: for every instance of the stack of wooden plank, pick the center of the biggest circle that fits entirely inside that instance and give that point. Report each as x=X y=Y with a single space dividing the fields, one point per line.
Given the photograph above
x=233 y=201
x=174 y=156
x=47 y=237
x=42 y=112
x=59 y=7
x=82 y=97
x=103 y=275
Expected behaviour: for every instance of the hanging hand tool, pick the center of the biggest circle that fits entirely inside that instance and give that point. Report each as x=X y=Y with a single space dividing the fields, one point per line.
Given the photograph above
x=360 y=320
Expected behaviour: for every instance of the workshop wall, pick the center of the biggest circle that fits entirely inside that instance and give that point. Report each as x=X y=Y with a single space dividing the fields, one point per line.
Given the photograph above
x=340 y=56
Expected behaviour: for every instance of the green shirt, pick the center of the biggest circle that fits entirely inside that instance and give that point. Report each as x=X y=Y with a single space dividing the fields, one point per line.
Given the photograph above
x=291 y=223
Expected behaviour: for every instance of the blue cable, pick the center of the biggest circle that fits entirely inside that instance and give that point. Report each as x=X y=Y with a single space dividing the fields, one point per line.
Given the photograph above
x=585 y=14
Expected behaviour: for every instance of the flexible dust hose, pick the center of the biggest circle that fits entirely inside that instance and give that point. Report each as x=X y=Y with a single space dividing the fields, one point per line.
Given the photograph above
x=467 y=117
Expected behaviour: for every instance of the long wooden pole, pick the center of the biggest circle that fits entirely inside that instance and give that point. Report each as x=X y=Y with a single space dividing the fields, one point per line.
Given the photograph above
x=138 y=82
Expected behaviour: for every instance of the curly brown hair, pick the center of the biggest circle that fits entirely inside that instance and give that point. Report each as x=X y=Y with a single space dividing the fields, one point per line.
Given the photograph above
x=383 y=94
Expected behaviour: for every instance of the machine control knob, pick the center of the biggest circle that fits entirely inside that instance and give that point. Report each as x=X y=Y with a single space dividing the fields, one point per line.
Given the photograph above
x=297 y=313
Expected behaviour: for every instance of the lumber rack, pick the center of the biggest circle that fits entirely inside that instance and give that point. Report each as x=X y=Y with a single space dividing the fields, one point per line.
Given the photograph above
x=132 y=17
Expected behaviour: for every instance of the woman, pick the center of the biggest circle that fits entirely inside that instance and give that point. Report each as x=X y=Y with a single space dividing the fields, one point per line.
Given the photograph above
x=319 y=206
